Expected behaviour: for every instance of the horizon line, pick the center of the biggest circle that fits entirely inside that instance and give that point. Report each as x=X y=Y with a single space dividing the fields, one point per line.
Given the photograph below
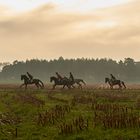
x=61 y=57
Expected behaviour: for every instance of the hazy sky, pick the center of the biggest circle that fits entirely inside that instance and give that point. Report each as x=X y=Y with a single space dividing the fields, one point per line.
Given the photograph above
x=48 y=29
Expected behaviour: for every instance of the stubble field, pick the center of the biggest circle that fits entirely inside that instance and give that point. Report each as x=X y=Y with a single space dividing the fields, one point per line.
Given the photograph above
x=88 y=114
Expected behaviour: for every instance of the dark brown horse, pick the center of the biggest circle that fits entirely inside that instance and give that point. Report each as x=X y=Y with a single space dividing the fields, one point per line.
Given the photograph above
x=64 y=82
x=27 y=81
x=115 y=82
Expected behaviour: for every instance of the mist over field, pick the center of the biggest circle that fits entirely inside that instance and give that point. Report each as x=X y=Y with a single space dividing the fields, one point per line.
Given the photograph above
x=91 y=70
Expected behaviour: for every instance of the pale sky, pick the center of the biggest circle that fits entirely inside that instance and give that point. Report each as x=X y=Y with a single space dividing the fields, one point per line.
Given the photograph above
x=47 y=29
x=69 y=5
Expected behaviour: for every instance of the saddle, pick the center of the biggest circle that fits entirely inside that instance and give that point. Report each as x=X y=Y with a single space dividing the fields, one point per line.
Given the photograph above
x=114 y=80
x=30 y=80
x=63 y=79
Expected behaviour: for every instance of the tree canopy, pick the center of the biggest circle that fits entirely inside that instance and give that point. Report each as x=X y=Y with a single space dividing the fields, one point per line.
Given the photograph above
x=91 y=70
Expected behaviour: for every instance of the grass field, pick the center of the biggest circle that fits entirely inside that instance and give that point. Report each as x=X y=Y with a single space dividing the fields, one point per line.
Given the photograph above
x=88 y=114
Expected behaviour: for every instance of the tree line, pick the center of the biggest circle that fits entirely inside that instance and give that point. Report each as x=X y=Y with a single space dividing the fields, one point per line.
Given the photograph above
x=91 y=70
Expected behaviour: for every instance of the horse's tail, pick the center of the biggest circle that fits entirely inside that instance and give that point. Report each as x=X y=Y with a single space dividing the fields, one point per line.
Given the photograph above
x=83 y=82
x=123 y=84
x=41 y=83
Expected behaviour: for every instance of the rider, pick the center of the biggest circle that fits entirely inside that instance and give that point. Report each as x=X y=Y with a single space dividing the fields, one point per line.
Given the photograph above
x=30 y=76
x=113 y=78
x=59 y=76
x=71 y=77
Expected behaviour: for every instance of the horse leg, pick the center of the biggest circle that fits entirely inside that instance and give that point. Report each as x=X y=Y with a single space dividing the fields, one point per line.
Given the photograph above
x=80 y=86
x=37 y=85
x=25 y=86
x=83 y=82
x=124 y=84
x=21 y=85
x=41 y=84
x=111 y=85
x=120 y=86
x=63 y=86
x=53 y=86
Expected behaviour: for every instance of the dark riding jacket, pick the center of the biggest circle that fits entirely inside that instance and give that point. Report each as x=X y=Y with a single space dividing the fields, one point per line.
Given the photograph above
x=71 y=76
x=113 y=77
x=59 y=76
x=30 y=76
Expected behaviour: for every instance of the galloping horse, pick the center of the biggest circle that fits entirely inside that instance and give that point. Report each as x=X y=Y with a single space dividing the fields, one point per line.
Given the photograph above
x=65 y=82
x=115 y=82
x=27 y=81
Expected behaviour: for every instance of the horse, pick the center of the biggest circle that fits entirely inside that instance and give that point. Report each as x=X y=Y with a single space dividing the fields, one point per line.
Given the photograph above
x=78 y=82
x=115 y=82
x=65 y=82
x=27 y=81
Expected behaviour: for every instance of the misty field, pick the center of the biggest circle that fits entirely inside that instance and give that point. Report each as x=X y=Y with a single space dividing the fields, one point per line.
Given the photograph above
x=87 y=114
